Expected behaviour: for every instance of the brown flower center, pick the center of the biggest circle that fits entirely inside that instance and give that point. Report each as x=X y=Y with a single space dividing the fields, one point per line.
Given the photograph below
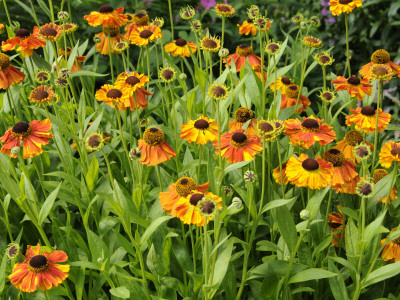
x=310 y=164
x=145 y=34
x=324 y=59
x=292 y=91
x=345 y=2
x=185 y=185
x=312 y=40
x=250 y=21
x=167 y=74
x=39 y=264
x=327 y=96
x=114 y=93
x=380 y=56
x=354 y=80
x=67 y=26
x=395 y=152
x=285 y=81
x=195 y=198
x=153 y=136
x=94 y=141
x=140 y=15
x=365 y=189
x=353 y=138
x=272 y=48
x=310 y=124
x=211 y=44
x=378 y=175
x=201 y=124
x=361 y=151
x=21 y=129
x=266 y=127
x=368 y=111
x=22 y=33
x=49 y=32
x=244 y=50
x=224 y=8
x=334 y=156
x=380 y=71
x=40 y=95
x=180 y=42
x=218 y=91
x=111 y=31
x=4 y=62
x=207 y=207
x=132 y=80
x=239 y=138
x=104 y=9
x=243 y=114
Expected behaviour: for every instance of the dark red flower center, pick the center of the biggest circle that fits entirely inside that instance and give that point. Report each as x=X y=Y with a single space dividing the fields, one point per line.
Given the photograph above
x=145 y=34
x=239 y=137
x=67 y=26
x=153 y=129
x=310 y=124
x=94 y=141
x=395 y=151
x=21 y=127
x=132 y=80
x=224 y=8
x=285 y=80
x=22 y=33
x=207 y=207
x=49 y=32
x=354 y=80
x=250 y=21
x=180 y=42
x=195 y=198
x=167 y=74
x=114 y=93
x=345 y=2
x=368 y=111
x=201 y=124
x=324 y=59
x=140 y=15
x=327 y=96
x=278 y=125
x=273 y=48
x=219 y=91
x=365 y=189
x=310 y=164
x=105 y=9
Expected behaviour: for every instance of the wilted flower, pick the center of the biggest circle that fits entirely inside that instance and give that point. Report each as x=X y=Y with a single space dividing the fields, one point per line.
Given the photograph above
x=297 y=18
x=94 y=142
x=364 y=188
x=362 y=151
x=195 y=25
x=12 y=250
x=187 y=13
x=253 y=11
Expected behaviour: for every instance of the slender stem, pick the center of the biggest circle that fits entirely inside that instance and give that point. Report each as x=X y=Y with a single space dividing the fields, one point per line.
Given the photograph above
x=263 y=173
x=391 y=184
x=302 y=81
x=222 y=44
x=219 y=138
x=262 y=75
x=199 y=167
x=275 y=90
x=280 y=168
x=110 y=53
x=159 y=177
x=34 y=14
x=380 y=96
x=346 y=21
x=137 y=113
x=328 y=209
x=205 y=255
x=148 y=64
x=51 y=10
x=174 y=123
x=193 y=242
x=8 y=15
x=171 y=19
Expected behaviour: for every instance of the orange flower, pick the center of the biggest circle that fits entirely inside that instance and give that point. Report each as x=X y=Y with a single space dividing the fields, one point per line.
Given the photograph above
x=306 y=133
x=309 y=172
x=390 y=153
x=345 y=177
x=276 y=173
x=201 y=131
x=289 y=98
x=33 y=135
x=181 y=48
x=115 y=37
x=365 y=119
x=50 y=32
x=248 y=27
x=76 y=66
x=154 y=149
x=391 y=251
x=133 y=83
x=107 y=17
x=141 y=36
x=182 y=188
x=282 y=83
x=379 y=57
x=343 y=6
x=242 y=116
x=139 y=19
x=352 y=139
x=43 y=94
x=188 y=210
x=354 y=86
x=243 y=52
x=39 y=269
x=25 y=41
x=9 y=75
x=237 y=146
x=376 y=177
x=335 y=223
x=113 y=95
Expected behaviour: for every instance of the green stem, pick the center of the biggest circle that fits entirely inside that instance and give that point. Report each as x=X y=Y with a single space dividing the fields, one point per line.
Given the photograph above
x=8 y=15
x=280 y=168
x=302 y=81
x=380 y=98
x=110 y=54
x=148 y=64
x=347 y=42
x=219 y=139
x=222 y=44
x=171 y=19
x=262 y=75
x=391 y=184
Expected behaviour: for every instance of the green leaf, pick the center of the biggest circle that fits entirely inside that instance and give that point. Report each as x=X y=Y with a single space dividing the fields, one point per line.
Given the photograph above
x=277 y=203
x=121 y=292
x=86 y=73
x=375 y=227
x=315 y=202
x=336 y=283
x=221 y=266
x=311 y=274
x=48 y=204
x=286 y=226
x=153 y=226
x=236 y=166
x=92 y=174
x=3 y=272
x=380 y=274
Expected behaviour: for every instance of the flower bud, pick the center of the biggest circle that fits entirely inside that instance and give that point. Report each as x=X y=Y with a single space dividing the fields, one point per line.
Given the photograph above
x=62 y=16
x=305 y=214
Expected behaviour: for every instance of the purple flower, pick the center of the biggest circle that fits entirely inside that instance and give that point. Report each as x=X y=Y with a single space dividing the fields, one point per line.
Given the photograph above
x=208 y=4
x=324 y=3
x=331 y=20
x=324 y=12
x=147 y=3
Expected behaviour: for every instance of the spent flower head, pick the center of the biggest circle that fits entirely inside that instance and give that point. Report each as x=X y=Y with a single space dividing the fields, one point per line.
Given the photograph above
x=362 y=151
x=63 y=16
x=187 y=13
x=253 y=12
x=12 y=251
x=364 y=188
